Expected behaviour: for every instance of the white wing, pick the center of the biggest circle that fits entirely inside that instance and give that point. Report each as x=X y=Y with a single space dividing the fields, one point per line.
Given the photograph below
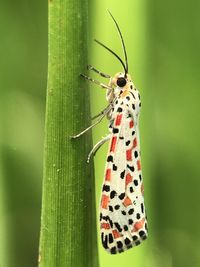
x=122 y=212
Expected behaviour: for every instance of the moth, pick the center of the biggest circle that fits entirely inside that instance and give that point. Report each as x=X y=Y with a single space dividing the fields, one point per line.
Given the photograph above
x=123 y=221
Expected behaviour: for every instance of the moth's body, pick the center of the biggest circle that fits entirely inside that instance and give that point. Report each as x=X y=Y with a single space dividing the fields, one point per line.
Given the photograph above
x=122 y=212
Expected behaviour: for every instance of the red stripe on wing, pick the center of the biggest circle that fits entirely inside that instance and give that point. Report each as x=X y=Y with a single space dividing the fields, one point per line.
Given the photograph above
x=113 y=144
x=118 y=120
x=139 y=165
x=116 y=234
x=129 y=154
x=105 y=226
x=104 y=201
x=131 y=124
x=134 y=143
x=108 y=175
x=127 y=202
x=129 y=179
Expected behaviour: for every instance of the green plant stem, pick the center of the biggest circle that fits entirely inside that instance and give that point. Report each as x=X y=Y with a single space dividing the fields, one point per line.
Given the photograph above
x=68 y=227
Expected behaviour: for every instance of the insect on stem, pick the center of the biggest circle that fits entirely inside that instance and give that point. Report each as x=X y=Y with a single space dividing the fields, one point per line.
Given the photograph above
x=123 y=221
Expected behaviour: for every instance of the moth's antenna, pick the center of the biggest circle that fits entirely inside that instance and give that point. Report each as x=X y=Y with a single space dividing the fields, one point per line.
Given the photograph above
x=122 y=40
x=125 y=68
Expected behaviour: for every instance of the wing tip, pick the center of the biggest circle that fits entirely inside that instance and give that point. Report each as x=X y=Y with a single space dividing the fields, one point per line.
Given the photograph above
x=124 y=242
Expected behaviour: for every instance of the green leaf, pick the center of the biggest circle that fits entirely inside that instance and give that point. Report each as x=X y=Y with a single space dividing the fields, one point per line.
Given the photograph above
x=68 y=224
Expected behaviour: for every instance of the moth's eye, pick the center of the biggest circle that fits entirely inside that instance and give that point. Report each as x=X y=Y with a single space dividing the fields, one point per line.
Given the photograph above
x=121 y=81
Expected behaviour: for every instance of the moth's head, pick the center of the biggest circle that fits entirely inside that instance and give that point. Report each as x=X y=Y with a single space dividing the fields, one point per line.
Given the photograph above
x=122 y=81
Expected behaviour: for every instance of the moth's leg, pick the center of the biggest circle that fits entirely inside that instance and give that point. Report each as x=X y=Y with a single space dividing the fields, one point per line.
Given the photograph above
x=97 y=146
x=106 y=110
x=90 y=67
x=102 y=112
x=91 y=126
x=96 y=82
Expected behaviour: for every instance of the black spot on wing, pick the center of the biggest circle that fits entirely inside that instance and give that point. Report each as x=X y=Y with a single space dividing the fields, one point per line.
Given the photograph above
x=113 y=194
x=138 y=216
x=110 y=238
x=113 y=250
x=120 y=250
x=130 y=167
x=106 y=188
x=131 y=211
x=115 y=130
x=130 y=221
x=104 y=241
x=134 y=237
x=117 y=207
x=110 y=158
x=127 y=241
x=133 y=95
x=137 y=242
x=142 y=207
x=128 y=142
x=118 y=227
x=122 y=196
x=122 y=174
x=141 y=233
x=119 y=109
x=119 y=244
x=114 y=167
x=125 y=228
x=110 y=208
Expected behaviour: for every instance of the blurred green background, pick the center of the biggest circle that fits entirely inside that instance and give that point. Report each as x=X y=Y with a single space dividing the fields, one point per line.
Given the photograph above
x=162 y=40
